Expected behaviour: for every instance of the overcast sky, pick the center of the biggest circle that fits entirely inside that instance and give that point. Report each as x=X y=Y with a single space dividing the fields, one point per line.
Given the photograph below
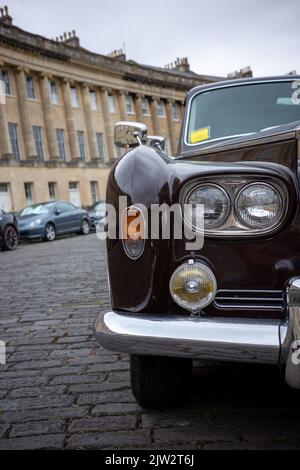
x=218 y=36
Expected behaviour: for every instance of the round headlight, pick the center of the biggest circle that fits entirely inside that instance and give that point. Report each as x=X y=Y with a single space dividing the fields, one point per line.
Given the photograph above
x=259 y=205
x=193 y=286
x=216 y=205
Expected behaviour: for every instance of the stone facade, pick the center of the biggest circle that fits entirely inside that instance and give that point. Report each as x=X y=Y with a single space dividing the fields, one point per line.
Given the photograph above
x=59 y=109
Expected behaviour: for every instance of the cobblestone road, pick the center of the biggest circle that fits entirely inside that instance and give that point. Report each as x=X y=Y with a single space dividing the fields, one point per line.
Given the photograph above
x=60 y=390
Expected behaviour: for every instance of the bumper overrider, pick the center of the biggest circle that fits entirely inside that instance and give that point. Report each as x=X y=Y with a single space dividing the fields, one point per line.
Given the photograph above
x=229 y=339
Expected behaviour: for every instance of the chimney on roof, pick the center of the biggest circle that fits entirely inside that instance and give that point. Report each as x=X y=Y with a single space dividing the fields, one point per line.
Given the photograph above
x=70 y=38
x=181 y=65
x=4 y=16
x=118 y=54
x=245 y=72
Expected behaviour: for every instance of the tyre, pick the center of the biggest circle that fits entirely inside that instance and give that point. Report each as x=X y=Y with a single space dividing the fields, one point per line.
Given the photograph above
x=160 y=382
x=50 y=233
x=85 y=227
x=10 y=238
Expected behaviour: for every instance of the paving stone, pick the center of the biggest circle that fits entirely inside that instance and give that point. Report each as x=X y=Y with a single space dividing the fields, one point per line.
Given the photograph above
x=111 y=440
x=37 y=391
x=50 y=441
x=3 y=429
x=46 y=413
x=106 y=397
x=37 y=428
x=78 y=379
x=97 y=387
x=104 y=423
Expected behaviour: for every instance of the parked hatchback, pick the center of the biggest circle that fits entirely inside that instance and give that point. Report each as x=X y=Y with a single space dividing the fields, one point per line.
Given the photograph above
x=9 y=231
x=97 y=215
x=49 y=219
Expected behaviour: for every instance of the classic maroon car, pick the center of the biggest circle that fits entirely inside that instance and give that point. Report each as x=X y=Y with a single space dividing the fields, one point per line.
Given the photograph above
x=236 y=296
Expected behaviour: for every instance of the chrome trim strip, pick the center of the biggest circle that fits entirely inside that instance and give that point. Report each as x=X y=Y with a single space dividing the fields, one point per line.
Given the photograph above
x=290 y=335
x=229 y=85
x=227 y=339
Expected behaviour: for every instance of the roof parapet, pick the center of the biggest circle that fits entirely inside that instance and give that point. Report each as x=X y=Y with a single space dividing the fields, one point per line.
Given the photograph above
x=180 y=64
x=5 y=16
x=245 y=72
x=70 y=38
x=118 y=54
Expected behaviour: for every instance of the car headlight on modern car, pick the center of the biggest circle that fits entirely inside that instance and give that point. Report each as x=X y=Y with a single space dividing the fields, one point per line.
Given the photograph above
x=215 y=203
x=35 y=223
x=259 y=205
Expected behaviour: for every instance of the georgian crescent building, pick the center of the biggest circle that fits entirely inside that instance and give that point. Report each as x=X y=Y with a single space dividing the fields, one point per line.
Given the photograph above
x=59 y=104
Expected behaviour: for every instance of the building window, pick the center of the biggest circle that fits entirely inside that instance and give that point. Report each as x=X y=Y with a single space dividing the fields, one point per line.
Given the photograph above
x=60 y=138
x=28 y=193
x=93 y=98
x=145 y=107
x=94 y=191
x=74 y=97
x=111 y=104
x=100 y=144
x=38 y=139
x=129 y=104
x=52 y=190
x=5 y=77
x=53 y=92
x=14 y=139
x=81 y=143
x=30 y=87
x=160 y=109
x=175 y=112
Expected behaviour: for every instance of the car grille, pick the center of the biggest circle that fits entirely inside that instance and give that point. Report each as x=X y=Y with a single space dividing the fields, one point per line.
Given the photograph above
x=250 y=299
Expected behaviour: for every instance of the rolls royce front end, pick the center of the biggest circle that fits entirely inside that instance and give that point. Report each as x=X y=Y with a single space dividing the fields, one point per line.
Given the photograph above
x=228 y=288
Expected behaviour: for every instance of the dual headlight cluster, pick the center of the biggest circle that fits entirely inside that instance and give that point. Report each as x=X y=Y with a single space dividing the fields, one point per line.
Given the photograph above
x=255 y=206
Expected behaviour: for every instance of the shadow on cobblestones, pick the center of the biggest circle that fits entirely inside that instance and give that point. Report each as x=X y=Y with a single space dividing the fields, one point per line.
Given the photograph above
x=60 y=390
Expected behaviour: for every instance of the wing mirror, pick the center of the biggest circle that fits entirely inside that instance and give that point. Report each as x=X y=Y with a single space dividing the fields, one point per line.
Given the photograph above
x=157 y=142
x=57 y=211
x=130 y=134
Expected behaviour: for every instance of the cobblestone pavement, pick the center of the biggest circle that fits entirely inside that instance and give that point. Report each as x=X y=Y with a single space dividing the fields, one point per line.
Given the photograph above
x=60 y=390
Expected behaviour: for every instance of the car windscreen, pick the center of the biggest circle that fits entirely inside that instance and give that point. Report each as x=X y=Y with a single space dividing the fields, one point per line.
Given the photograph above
x=37 y=209
x=242 y=109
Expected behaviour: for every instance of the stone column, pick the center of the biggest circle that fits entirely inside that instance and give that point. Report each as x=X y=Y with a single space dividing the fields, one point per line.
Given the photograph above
x=49 y=118
x=71 y=128
x=109 y=137
x=172 y=136
x=181 y=109
x=122 y=105
x=5 y=144
x=154 y=116
x=91 y=133
x=25 y=115
x=138 y=107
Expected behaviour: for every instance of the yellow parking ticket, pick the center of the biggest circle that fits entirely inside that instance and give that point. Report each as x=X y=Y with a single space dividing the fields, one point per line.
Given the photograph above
x=200 y=134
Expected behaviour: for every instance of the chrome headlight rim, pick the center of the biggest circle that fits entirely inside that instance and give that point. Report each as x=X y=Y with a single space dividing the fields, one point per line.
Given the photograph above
x=233 y=183
x=216 y=225
x=283 y=207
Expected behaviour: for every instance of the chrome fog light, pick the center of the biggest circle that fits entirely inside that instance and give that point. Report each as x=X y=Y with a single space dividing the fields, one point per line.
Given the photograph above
x=193 y=286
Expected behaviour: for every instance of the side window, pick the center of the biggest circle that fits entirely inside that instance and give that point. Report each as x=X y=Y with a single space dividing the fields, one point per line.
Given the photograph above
x=65 y=207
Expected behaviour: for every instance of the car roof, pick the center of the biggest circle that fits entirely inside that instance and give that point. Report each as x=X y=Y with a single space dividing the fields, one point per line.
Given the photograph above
x=243 y=81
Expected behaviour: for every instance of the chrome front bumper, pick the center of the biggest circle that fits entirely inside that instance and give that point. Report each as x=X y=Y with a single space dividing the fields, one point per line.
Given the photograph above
x=228 y=339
